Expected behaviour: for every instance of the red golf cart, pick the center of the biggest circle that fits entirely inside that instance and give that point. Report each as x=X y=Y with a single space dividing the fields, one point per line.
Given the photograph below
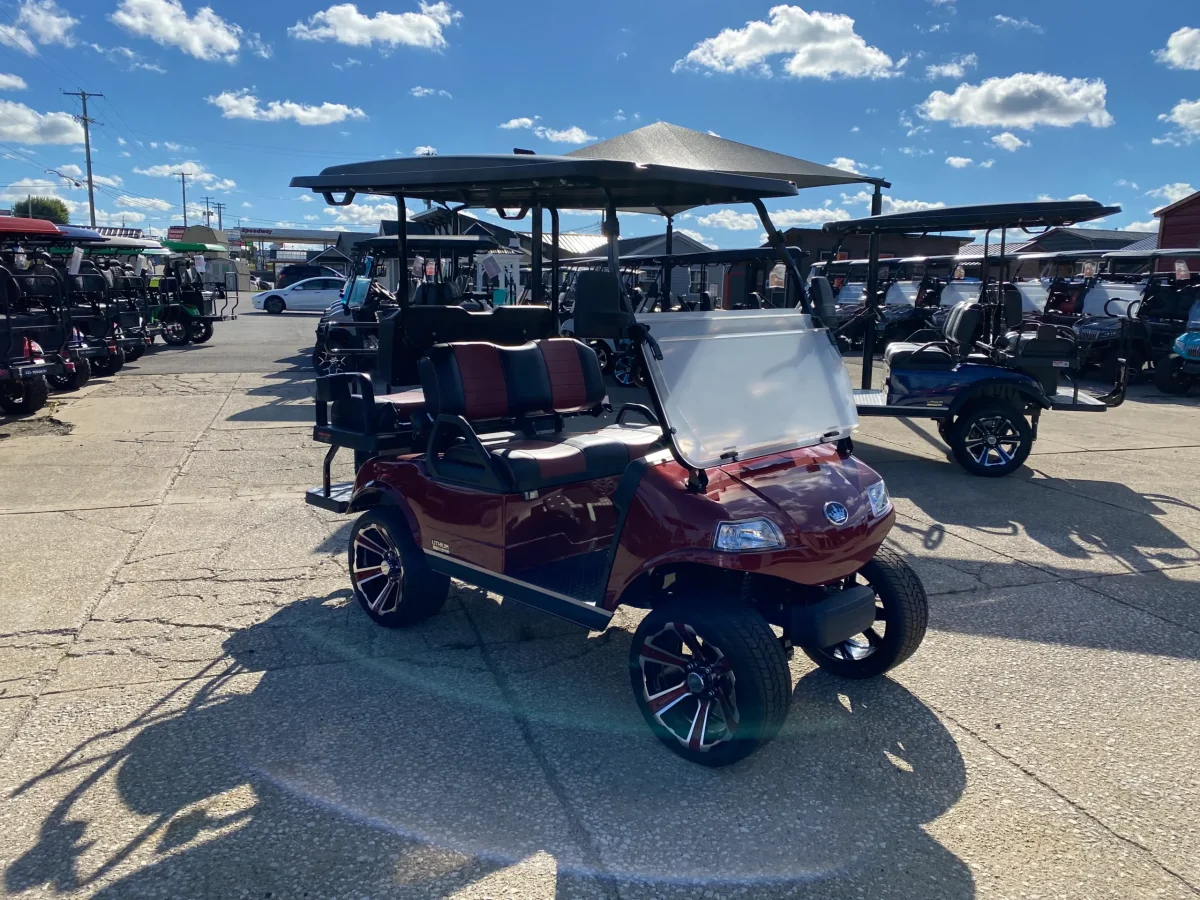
x=729 y=504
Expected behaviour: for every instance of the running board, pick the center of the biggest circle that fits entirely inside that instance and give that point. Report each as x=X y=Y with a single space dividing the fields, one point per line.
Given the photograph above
x=335 y=498
x=588 y=615
x=870 y=402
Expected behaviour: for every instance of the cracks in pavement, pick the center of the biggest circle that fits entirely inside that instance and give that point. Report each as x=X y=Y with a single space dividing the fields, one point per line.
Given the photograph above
x=1075 y=805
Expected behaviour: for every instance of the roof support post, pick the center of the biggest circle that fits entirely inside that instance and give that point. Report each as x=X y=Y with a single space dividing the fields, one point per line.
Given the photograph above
x=535 y=269
x=402 y=249
x=554 y=265
x=775 y=239
x=668 y=250
x=611 y=229
x=868 y=357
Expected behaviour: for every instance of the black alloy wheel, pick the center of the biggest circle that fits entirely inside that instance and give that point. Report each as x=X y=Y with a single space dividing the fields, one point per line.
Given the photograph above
x=176 y=332
x=72 y=381
x=991 y=440
x=710 y=678
x=273 y=305
x=1170 y=378
x=200 y=331
x=391 y=579
x=25 y=396
x=901 y=617
x=603 y=355
x=103 y=366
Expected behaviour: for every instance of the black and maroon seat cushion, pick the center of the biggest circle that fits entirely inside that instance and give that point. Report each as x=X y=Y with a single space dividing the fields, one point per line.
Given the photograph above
x=483 y=382
x=539 y=463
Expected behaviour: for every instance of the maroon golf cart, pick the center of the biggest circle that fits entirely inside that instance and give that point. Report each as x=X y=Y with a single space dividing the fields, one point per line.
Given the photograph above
x=729 y=504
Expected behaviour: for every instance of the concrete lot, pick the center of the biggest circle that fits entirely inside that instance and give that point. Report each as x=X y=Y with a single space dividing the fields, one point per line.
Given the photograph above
x=191 y=705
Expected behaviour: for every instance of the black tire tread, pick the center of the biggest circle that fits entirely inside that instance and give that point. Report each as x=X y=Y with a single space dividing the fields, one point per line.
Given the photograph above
x=912 y=595
x=957 y=439
x=424 y=591
x=1165 y=383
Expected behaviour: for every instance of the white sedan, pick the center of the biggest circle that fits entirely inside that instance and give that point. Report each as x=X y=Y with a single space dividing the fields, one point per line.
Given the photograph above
x=311 y=294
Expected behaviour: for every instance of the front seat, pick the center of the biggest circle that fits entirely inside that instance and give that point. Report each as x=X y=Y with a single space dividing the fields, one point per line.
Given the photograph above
x=961 y=331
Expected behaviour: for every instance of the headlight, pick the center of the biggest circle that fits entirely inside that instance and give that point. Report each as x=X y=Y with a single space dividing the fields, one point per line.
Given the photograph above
x=880 y=501
x=752 y=534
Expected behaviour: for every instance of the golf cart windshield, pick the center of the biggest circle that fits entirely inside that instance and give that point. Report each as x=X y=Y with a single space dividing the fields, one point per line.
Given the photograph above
x=356 y=291
x=737 y=385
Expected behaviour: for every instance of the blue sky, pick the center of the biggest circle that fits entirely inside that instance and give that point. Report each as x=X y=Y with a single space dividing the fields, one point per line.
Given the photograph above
x=953 y=101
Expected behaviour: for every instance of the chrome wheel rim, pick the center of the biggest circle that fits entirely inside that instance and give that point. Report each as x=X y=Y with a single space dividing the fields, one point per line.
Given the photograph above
x=860 y=646
x=992 y=441
x=688 y=686
x=330 y=362
x=376 y=569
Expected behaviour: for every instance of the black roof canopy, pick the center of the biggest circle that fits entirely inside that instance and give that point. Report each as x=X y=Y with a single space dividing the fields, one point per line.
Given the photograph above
x=523 y=180
x=672 y=145
x=990 y=215
x=462 y=244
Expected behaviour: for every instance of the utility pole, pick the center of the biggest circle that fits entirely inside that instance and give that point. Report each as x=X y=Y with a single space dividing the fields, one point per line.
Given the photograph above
x=183 y=177
x=207 y=211
x=87 y=145
x=220 y=208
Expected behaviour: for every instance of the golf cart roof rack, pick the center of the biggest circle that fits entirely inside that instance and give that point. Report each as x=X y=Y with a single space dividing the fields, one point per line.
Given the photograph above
x=15 y=226
x=985 y=216
x=459 y=243
x=1181 y=253
x=505 y=182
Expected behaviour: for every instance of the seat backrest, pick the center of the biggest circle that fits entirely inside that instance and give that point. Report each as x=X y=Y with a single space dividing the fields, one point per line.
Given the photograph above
x=1013 y=305
x=705 y=304
x=483 y=381
x=822 y=295
x=407 y=334
x=600 y=310
x=961 y=328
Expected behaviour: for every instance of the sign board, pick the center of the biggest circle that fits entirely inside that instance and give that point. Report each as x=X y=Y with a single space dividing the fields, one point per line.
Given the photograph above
x=199 y=262
x=175 y=233
x=430 y=268
x=1181 y=270
x=76 y=259
x=418 y=266
x=491 y=268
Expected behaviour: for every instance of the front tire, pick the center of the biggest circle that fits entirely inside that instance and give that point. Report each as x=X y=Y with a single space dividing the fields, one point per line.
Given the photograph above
x=711 y=679
x=273 y=305
x=104 y=366
x=991 y=440
x=30 y=396
x=901 y=613
x=1170 y=378
x=392 y=581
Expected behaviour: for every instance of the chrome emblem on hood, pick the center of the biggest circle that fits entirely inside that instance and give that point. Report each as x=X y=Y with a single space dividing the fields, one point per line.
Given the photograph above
x=836 y=513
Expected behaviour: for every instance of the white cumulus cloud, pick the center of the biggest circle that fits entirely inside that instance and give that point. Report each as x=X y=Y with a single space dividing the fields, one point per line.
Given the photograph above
x=730 y=220
x=792 y=218
x=816 y=44
x=959 y=162
x=43 y=21
x=1182 y=50
x=572 y=135
x=425 y=150
x=1008 y=141
x=363 y=213
x=1020 y=24
x=1024 y=100
x=848 y=165
x=205 y=35
x=1150 y=225
x=150 y=203
x=892 y=204
x=22 y=125
x=698 y=237
x=430 y=92
x=12 y=83
x=346 y=25
x=1185 y=114
x=956 y=68
x=520 y=122
x=1172 y=193
x=195 y=171
x=244 y=105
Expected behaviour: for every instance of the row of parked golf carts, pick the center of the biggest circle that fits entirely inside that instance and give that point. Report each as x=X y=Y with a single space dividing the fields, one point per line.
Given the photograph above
x=724 y=495
x=1136 y=305
x=74 y=303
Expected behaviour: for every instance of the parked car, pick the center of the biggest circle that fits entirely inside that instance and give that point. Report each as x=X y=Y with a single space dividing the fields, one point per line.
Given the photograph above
x=289 y=275
x=312 y=294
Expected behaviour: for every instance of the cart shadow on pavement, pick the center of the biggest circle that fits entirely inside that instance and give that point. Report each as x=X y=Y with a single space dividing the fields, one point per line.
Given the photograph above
x=437 y=763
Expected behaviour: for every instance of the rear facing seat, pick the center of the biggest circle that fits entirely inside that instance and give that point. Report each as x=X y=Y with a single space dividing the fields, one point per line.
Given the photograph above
x=486 y=383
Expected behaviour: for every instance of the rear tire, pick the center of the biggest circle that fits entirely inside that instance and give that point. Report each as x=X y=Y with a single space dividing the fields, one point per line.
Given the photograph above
x=103 y=366
x=705 y=669
x=391 y=579
x=73 y=381
x=176 y=332
x=200 y=332
x=135 y=352
x=903 y=608
x=1170 y=378
x=29 y=397
x=991 y=439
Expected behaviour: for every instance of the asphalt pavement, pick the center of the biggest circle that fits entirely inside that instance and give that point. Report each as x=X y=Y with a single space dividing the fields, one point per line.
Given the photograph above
x=192 y=705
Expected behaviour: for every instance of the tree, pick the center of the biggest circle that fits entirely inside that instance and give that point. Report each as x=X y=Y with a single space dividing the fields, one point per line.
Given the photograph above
x=43 y=208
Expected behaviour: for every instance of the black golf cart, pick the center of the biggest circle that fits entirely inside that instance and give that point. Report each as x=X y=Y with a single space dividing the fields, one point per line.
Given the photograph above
x=348 y=337
x=24 y=364
x=1140 y=321
x=990 y=374
x=720 y=510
